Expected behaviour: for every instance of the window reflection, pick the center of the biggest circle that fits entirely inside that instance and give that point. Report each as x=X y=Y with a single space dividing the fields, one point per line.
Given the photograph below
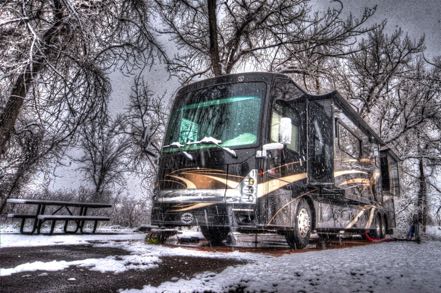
x=229 y=113
x=281 y=109
x=348 y=142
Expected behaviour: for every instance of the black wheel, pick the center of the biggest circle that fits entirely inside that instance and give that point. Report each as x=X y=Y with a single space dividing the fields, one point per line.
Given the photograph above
x=215 y=235
x=298 y=238
x=375 y=230
x=383 y=227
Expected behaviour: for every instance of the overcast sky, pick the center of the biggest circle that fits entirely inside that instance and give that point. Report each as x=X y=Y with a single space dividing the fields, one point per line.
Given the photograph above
x=417 y=17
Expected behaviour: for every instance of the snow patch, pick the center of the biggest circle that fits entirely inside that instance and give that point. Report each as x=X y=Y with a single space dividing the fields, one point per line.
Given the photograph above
x=114 y=264
x=35 y=266
x=434 y=232
x=19 y=240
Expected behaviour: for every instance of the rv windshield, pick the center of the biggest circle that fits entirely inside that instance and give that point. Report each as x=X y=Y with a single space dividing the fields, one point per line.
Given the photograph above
x=228 y=113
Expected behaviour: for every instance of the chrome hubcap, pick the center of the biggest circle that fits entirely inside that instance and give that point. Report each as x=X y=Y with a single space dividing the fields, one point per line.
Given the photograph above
x=303 y=222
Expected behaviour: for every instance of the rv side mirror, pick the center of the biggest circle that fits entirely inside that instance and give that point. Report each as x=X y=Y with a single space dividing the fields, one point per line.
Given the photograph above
x=285 y=130
x=269 y=147
x=272 y=146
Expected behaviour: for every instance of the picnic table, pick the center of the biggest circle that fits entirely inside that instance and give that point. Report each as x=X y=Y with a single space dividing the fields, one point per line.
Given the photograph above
x=39 y=217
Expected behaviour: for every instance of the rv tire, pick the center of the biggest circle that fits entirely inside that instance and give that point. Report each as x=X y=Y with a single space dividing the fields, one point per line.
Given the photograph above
x=298 y=237
x=376 y=228
x=383 y=227
x=215 y=235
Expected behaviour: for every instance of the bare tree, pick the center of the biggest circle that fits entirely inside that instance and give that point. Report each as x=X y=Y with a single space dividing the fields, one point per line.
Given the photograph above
x=130 y=212
x=21 y=162
x=377 y=66
x=409 y=119
x=223 y=36
x=54 y=60
x=103 y=163
x=146 y=117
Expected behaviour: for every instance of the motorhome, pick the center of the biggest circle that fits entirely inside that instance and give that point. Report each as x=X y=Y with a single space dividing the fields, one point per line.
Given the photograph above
x=254 y=153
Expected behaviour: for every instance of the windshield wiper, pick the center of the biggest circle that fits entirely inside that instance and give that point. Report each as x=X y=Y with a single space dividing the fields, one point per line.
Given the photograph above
x=216 y=142
x=177 y=144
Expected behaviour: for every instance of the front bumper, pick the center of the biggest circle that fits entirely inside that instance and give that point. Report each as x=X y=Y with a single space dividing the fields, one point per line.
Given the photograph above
x=219 y=215
x=166 y=215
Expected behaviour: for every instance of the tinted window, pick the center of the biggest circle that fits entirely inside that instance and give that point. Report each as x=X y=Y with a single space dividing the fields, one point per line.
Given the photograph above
x=283 y=109
x=229 y=113
x=385 y=181
x=320 y=142
x=389 y=174
x=348 y=142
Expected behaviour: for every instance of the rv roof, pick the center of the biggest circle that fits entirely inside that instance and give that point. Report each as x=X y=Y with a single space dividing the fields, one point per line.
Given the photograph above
x=268 y=77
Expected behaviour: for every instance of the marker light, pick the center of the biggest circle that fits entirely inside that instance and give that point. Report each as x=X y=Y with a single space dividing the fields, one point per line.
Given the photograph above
x=249 y=187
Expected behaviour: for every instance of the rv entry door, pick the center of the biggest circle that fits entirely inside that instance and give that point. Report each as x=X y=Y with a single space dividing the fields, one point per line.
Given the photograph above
x=320 y=143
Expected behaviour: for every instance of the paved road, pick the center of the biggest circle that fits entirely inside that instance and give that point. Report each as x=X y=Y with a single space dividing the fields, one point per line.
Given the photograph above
x=170 y=267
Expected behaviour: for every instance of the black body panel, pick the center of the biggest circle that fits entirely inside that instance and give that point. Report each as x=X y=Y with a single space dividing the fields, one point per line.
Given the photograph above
x=234 y=186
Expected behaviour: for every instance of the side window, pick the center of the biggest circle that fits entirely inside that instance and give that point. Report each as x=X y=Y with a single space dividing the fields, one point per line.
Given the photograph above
x=282 y=109
x=348 y=142
x=319 y=141
x=389 y=174
x=394 y=177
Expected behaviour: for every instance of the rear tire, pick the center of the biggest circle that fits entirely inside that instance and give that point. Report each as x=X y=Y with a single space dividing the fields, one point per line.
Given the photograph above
x=376 y=228
x=215 y=235
x=298 y=237
x=383 y=227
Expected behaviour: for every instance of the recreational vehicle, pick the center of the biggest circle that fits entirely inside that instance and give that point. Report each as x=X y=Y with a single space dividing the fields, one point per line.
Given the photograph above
x=255 y=153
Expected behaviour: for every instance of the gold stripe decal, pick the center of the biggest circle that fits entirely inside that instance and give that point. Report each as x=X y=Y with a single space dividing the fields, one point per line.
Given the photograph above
x=361 y=181
x=229 y=183
x=194 y=206
x=200 y=180
x=371 y=218
x=357 y=217
x=348 y=172
x=274 y=184
x=190 y=185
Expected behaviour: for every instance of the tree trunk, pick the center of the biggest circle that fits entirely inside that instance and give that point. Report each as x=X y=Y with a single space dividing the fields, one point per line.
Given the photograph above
x=438 y=217
x=214 y=46
x=422 y=197
x=10 y=113
x=23 y=83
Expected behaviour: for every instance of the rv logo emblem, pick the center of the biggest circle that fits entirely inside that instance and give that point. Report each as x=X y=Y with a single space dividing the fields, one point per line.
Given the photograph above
x=187 y=218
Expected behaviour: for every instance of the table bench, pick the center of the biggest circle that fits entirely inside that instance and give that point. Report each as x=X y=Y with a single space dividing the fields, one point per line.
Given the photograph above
x=40 y=217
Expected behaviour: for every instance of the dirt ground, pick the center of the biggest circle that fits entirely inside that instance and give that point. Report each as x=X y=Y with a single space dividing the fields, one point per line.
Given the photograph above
x=170 y=268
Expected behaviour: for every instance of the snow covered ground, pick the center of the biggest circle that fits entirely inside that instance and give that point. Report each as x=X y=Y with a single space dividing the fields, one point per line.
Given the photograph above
x=18 y=240
x=434 y=232
x=10 y=237
x=384 y=267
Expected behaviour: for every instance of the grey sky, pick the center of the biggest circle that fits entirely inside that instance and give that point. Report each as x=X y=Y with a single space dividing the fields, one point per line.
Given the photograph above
x=417 y=17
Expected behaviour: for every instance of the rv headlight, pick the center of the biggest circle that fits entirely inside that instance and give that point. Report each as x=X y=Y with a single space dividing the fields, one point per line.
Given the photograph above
x=249 y=187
